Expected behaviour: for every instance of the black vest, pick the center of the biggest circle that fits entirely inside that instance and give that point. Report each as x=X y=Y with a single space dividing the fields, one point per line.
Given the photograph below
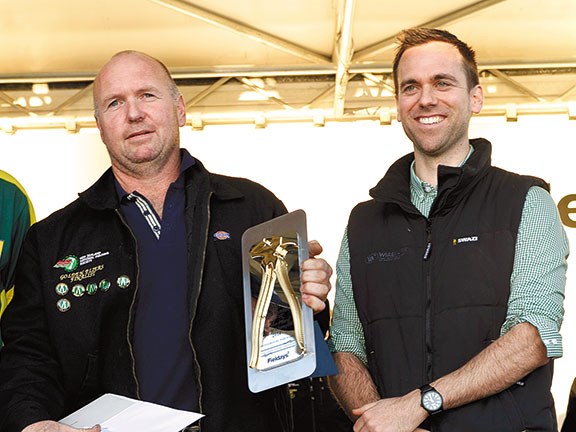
x=431 y=293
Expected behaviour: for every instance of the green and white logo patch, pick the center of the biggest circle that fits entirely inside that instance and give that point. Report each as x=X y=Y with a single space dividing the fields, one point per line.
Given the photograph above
x=63 y=305
x=123 y=281
x=104 y=285
x=78 y=290
x=61 y=289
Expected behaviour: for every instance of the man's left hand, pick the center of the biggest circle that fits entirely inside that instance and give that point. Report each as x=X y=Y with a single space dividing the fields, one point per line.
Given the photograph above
x=315 y=278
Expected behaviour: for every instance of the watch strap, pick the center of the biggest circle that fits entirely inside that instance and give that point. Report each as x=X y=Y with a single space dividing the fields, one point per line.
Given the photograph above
x=425 y=388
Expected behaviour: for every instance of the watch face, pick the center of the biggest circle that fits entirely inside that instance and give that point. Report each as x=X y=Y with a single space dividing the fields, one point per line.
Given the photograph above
x=432 y=401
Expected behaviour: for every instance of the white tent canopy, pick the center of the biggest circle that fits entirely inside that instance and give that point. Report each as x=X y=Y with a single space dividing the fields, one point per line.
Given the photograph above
x=254 y=61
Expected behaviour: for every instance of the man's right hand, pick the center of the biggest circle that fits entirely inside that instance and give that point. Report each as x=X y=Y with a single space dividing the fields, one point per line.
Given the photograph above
x=52 y=426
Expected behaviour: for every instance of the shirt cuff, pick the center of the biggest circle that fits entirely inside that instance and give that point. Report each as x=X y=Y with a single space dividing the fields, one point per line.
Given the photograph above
x=337 y=345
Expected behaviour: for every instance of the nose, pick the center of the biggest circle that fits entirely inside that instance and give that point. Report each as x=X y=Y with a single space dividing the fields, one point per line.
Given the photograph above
x=428 y=96
x=134 y=111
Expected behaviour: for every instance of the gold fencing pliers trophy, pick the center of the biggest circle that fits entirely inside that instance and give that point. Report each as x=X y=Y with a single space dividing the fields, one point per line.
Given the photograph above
x=271 y=255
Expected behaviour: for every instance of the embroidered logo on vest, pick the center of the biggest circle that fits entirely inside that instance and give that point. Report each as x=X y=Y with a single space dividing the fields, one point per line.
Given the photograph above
x=385 y=256
x=460 y=240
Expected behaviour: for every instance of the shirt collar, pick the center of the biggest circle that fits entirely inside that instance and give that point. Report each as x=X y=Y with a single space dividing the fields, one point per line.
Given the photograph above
x=420 y=187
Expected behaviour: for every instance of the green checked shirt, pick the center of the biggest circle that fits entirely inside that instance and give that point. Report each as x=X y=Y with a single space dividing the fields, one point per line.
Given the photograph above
x=536 y=284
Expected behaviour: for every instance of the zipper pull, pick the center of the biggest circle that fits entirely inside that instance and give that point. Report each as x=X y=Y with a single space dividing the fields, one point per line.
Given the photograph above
x=428 y=250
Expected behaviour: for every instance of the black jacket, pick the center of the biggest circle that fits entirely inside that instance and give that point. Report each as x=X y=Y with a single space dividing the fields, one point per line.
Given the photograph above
x=54 y=361
x=569 y=424
x=432 y=293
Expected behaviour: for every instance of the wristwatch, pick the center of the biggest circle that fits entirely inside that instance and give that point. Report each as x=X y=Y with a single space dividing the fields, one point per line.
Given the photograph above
x=430 y=399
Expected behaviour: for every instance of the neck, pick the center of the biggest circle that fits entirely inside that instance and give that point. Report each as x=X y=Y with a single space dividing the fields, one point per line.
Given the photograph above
x=426 y=166
x=153 y=185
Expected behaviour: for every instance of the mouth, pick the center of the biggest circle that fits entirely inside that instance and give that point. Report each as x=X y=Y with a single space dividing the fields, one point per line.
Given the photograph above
x=138 y=133
x=430 y=120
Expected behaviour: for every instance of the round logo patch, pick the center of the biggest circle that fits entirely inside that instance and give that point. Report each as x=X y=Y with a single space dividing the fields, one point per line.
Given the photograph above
x=123 y=281
x=61 y=289
x=104 y=285
x=63 y=305
x=78 y=290
x=91 y=288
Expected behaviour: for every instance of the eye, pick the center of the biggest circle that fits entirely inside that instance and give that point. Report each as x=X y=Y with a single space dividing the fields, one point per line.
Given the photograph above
x=115 y=103
x=443 y=84
x=409 y=89
x=149 y=96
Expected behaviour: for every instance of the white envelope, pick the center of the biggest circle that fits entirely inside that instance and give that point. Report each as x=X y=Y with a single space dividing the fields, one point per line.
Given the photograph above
x=121 y=414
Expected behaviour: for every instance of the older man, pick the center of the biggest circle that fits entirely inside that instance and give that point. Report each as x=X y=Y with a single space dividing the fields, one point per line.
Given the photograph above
x=131 y=289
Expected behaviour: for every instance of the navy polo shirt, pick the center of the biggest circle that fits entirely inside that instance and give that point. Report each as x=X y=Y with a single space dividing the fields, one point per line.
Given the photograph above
x=162 y=343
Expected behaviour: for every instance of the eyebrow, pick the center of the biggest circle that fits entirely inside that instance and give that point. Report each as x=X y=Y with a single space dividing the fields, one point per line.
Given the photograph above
x=445 y=76
x=150 y=89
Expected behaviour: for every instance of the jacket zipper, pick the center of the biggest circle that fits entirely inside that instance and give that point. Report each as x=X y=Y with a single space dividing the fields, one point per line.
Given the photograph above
x=428 y=334
x=195 y=305
x=131 y=313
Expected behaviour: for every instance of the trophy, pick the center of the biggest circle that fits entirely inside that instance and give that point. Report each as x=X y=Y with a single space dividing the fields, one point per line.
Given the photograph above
x=272 y=256
x=279 y=327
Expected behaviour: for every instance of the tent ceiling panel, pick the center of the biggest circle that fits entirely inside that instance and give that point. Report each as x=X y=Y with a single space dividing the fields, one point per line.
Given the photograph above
x=255 y=57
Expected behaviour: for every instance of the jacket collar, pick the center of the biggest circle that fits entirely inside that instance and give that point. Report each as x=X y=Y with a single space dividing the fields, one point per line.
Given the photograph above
x=102 y=194
x=453 y=182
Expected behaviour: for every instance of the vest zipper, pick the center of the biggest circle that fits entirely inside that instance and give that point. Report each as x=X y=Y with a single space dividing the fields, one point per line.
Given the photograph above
x=427 y=316
x=130 y=313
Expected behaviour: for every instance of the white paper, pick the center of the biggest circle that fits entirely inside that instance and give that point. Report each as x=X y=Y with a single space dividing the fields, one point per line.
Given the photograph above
x=121 y=414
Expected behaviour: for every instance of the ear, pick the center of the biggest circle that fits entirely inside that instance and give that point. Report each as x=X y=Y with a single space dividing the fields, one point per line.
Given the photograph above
x=476 y=99
x=181 y=107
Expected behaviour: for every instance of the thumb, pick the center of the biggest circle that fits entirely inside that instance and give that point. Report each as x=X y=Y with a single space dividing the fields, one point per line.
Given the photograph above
x=359 y=411
x=314 y=248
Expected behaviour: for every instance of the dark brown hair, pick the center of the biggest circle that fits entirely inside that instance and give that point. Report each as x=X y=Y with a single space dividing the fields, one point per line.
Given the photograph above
x=420 y=35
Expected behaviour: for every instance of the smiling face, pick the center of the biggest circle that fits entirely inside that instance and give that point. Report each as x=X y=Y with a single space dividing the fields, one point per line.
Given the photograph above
x=137 y=112
x=434 y=102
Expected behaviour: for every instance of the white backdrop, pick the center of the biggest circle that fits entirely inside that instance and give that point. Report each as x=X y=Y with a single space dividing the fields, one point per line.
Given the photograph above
x=324 y=171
